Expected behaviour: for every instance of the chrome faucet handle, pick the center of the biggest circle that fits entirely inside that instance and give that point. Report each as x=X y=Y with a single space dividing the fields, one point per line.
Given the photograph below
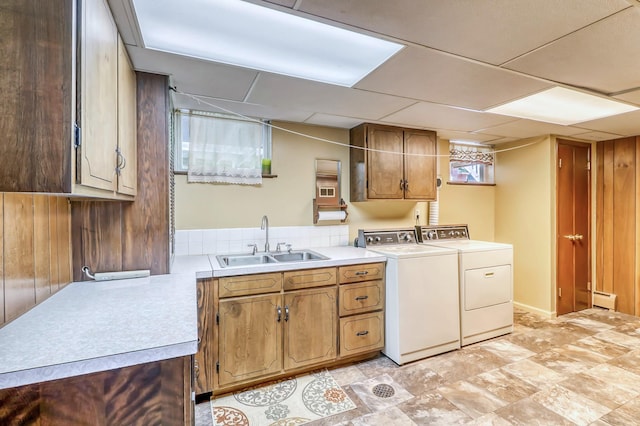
x=289 y=248
x=255 y=248
x=278 y=247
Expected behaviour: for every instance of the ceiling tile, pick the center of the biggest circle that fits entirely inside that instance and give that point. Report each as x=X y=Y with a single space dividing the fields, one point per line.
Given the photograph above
x=333 y=121
x=436 y=116
x=432 y=76
x=289 y=92
x=194 y=75
x=631 y=97
x=490 y=31
x=604 y=57
x=529 y=128
x=597 y=136
x=624 y=124
x=228 y=107
x=466 y=136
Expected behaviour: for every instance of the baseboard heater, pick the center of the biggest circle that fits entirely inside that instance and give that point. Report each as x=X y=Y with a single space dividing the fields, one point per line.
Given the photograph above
x=604 y=300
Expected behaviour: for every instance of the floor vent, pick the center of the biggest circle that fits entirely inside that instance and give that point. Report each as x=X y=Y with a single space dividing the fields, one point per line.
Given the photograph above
x=604 y=300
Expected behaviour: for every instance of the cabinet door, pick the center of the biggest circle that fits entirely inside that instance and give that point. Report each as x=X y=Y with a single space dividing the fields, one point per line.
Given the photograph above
x=420 y=170
x=384 y=169
x=98 y=74
x=310 y=328
x=203 y=366
x=127 y=132
x=250 y=338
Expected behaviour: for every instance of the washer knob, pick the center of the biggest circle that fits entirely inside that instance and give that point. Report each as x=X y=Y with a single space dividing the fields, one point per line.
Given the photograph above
x=407 y=237
x=378 y=239
x=369 y=239
x=432 y=235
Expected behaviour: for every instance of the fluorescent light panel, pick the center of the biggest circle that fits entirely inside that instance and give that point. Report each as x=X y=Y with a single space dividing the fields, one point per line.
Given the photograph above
x=562 y=106
x=239 y=33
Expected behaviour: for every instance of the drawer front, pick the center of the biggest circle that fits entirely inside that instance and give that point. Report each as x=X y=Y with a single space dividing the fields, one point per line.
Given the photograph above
x=244 y=285
x=308 y=278
x=362 y=297
x=361 y=333
x=359 y=273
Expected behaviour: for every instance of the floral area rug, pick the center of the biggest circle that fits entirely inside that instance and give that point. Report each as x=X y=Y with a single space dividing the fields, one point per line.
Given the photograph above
x=293 y=401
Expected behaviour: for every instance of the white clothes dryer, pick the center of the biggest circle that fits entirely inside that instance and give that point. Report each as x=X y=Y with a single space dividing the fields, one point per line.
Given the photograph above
x=485 y=279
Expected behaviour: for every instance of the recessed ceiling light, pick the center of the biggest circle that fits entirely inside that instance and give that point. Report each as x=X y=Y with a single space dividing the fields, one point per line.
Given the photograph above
x=559 y=105
x=240 y=33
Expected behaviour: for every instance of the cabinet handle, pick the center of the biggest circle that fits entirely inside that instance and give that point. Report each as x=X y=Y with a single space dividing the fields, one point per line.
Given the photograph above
x=401 y=184
x=279 y=310
x=362 y=297
x=362 y=333
x=489 y=275
x=406 y=185
x=362 y=272
x=286 y=312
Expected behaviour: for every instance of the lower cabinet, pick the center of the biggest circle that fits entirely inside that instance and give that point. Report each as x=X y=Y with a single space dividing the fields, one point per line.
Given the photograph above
x=250 y=338
x=258 y=327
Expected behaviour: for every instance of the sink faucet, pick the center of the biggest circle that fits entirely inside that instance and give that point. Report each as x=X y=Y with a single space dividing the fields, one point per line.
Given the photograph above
x=265 y=226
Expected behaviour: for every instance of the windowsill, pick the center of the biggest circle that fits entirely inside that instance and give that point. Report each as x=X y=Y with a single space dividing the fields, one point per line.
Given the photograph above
x=263 y=176
x=471 y=183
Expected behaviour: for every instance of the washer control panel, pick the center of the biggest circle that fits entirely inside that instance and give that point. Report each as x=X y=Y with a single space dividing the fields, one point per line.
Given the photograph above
x=371 y=238
x=442 y=232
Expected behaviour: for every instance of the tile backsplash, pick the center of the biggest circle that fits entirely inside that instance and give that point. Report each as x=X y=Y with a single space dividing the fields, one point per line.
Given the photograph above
x=237 y=240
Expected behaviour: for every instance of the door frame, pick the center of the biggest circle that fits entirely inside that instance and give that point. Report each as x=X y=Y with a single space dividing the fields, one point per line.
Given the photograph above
x=588 y=242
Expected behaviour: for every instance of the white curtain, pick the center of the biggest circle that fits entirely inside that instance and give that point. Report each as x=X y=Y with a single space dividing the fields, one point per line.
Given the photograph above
x=225 y=150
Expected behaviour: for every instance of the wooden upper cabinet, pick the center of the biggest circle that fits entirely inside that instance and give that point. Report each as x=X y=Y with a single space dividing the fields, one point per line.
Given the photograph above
x=99 y=97
x=392 y=163
x=420 y=166
x=126 y=164
x=54 y=84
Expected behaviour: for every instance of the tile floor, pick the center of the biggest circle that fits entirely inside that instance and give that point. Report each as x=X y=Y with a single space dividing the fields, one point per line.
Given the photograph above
x=582 y=368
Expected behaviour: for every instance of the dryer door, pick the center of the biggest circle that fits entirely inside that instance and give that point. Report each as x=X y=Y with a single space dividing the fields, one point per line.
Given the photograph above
x=487 y=286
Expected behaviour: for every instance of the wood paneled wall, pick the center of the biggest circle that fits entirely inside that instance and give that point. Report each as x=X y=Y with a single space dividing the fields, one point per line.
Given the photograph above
x=618 y=221
x=35 y=250
x=157 y=393
x=115 y=236
x=35 y=112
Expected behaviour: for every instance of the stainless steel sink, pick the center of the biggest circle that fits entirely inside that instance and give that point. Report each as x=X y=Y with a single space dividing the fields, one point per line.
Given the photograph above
x=230 y=260
x=298 y=256
x=244 y=259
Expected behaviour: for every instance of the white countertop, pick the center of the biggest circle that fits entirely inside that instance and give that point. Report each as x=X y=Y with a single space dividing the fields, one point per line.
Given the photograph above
x=337 y=256
x=95 y=326
x=92 y=326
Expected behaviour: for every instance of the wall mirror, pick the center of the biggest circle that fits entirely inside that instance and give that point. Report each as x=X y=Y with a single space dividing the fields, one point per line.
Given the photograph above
x=328 y=182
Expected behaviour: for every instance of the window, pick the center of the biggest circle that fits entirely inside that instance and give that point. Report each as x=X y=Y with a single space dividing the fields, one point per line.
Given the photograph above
x=220 y=148
x=470 y=163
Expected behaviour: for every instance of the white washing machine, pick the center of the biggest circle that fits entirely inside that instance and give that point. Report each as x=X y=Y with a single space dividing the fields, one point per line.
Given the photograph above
x=486 y=281
x=421 y=307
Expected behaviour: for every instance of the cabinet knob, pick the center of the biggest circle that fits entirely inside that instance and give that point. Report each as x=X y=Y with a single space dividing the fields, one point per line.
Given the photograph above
x=279 y=311
x=286 y=312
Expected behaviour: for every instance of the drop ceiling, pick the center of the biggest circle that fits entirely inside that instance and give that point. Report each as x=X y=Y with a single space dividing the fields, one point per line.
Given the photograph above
x=461 y=58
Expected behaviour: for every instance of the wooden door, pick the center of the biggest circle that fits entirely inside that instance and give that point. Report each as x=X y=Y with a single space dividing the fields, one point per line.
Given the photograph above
x=419 y=165
x=98 y=93
x=385 y=178
x=573 y=227
x=127 y=130
x=249 y=338
x=310 y=327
